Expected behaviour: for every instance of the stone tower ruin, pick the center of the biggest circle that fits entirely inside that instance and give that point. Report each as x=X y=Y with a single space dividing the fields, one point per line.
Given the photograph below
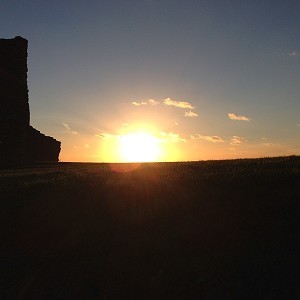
x=19 y=142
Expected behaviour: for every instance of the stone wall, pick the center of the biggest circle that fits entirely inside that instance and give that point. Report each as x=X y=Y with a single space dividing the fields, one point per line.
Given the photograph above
x=19 y=142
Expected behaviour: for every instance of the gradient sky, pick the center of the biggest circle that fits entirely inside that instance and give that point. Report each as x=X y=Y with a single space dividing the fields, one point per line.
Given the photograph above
x=210 y=79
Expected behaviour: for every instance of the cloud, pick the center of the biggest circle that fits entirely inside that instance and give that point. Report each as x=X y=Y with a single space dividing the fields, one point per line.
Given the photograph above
x=139 y=103
x=212 y=138
x=171 y=137
x=161 y=137
x=191 y=114
x=66 y=126
x=68 y=129
x=238 y=118
x=268 y=144
x=153 y=102
x=104 y=135
x=236 y=140
x=168 y=102
x=146 y=102
x=180 y=104
x=294 y=53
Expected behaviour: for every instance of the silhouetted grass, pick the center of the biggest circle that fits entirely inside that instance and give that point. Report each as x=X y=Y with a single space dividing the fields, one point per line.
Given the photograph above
x=194 y=230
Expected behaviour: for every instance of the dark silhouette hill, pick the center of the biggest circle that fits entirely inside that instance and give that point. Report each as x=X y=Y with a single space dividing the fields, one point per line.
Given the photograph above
x=19 y=142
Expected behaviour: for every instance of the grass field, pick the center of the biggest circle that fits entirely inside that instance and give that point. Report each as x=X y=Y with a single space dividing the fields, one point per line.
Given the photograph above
x=194 y=230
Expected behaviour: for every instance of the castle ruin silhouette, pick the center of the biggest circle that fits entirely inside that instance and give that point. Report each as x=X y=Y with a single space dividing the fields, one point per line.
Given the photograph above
x=19 y=142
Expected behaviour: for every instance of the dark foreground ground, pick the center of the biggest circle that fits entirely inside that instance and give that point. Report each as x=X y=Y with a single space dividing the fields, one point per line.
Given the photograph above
x=201 y=230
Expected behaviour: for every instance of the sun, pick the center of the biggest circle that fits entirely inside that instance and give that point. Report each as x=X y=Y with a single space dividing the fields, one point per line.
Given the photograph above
x=139 y=147
x=138 y=143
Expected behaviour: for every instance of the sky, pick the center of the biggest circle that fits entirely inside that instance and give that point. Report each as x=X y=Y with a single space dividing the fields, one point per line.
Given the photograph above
x=165 y=80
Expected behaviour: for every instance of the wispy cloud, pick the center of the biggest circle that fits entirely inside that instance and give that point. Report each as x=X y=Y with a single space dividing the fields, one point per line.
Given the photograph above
x=171 y=137
x=209 y=138
x=168 y=102
x=294 y=53
x=180 y=104
x=190 y=114
x=139 y=103
x=104 y=135
x=161 y=137
x=153 y=102
x=236 y=140
x=146 y=102
x=238 y=117
x=68 y=129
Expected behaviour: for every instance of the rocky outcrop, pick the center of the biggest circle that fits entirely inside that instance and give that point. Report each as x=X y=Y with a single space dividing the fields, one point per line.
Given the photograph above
x=41 y=147
x=19 y=142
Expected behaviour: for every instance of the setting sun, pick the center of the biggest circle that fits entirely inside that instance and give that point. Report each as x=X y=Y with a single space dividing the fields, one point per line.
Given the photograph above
x=139 y=147
x=144 y=144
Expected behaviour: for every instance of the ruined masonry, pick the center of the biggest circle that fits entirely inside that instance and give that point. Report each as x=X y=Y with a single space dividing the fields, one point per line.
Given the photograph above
x=19 y=142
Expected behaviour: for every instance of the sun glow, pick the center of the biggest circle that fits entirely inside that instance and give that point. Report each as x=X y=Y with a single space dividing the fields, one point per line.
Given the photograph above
x=139 y=143
x=139 y=147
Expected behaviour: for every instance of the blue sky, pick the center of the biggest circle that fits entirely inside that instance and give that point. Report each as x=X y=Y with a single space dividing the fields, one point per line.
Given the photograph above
x=89 y=62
